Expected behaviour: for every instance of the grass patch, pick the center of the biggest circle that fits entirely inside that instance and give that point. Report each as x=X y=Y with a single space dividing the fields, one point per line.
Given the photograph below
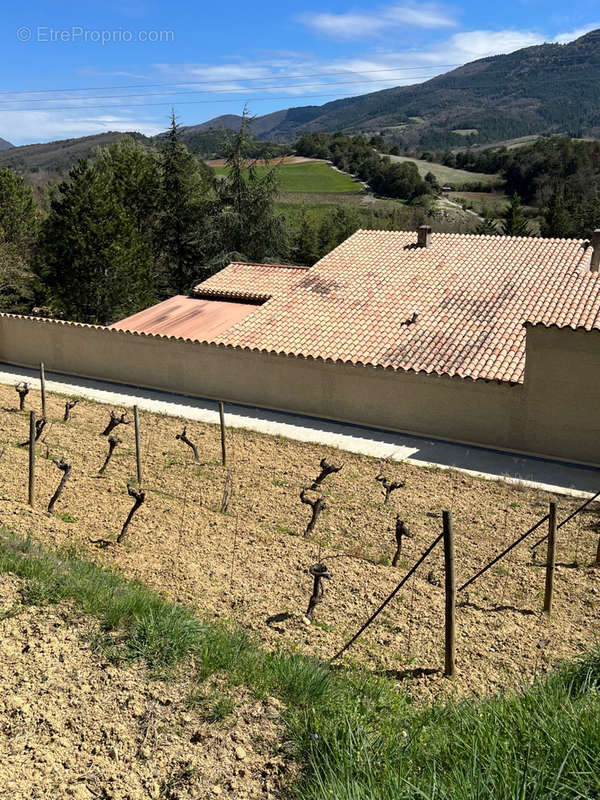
x=310 y=177
x=66 y=517
x=449 y=175
x=357 y=735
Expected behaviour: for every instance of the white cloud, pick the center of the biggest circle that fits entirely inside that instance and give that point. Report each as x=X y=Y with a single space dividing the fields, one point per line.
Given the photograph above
x=267 y=81
x=471 y=45
x=359 y=25
x=24 y=127
x=563 y=38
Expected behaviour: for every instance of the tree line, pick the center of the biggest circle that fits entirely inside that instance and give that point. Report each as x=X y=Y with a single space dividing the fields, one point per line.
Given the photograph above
x=134 y=226
x=558 y=175
x=357 y=155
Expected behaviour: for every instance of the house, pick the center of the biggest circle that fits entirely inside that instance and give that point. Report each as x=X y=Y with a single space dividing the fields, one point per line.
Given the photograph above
x=488 y=340
x=447 y=335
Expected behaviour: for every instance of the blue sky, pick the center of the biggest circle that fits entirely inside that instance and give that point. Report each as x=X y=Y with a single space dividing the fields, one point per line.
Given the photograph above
x=123 y=65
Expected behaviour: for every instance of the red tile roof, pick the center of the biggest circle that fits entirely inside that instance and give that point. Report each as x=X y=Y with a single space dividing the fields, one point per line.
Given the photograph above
x=187 y=317
x=245 y=280
x=472 y=295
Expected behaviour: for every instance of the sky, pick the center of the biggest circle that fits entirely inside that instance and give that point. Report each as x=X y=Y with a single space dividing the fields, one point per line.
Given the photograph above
x=77 y=68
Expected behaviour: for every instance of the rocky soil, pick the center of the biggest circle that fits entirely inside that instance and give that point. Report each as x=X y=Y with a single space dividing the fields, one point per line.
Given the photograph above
x=250 y=565
x=74 y=726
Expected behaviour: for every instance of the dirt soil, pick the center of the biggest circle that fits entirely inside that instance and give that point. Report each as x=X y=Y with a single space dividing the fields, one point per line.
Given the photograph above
x=250 y=565
x=74 y=726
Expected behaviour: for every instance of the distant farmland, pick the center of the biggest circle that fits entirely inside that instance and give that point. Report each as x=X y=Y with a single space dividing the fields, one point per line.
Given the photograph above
x=311 y=177
x=449 y=175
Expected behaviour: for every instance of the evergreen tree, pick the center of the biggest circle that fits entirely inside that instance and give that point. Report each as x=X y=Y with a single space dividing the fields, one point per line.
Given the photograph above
x=18 y=215
x=19 y=222
x=16 y=280
x=487 y=226
x=246 y=220
x=185 y=201
x=432 y=182
x=93 y=262
x=306 y=245
x=515 y=223
x=558 y=220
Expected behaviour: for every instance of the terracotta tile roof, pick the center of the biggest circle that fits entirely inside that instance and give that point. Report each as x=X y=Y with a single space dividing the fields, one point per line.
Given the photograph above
x=240 y=279
x=472 y=294
x=187 y=317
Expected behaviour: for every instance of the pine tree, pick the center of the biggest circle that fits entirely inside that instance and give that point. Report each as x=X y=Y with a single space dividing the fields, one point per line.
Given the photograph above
x=246 y=220
x=515 y=223
x=487 y=226
x=185 y=201
x=95 y=265
x=19 y=219
x=558 y=221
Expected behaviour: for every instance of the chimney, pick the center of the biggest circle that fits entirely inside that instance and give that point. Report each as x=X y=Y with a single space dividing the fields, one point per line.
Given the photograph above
x=424 y=236
x=595 y=262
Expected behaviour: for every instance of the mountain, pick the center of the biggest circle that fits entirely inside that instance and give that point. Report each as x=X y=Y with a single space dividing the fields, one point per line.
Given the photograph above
x=57 y=157
x=550 y=88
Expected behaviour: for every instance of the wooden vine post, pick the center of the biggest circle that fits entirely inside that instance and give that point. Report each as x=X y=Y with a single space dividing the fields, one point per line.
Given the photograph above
x=222 y=420
x=43 y=389
x=550 y=559
x=32 y=432
x=138 y=454
x=450 y=616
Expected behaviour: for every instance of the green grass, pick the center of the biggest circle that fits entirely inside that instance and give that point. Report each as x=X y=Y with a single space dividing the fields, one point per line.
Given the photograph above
x=449 y=175
x=309 y=177
x=357 y=735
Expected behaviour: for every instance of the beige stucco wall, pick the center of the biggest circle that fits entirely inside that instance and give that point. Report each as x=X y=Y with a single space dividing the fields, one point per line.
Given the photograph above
x=515 y=418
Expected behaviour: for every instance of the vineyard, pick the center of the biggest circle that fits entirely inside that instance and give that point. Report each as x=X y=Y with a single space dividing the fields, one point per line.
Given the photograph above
x=231 y=542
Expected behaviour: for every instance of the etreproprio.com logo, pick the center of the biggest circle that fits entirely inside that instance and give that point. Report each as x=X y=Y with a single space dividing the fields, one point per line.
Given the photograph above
x=78 y=34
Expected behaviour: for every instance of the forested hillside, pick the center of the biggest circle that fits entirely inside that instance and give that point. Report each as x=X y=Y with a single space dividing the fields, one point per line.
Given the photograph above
x=551 y=88
x=558 y=175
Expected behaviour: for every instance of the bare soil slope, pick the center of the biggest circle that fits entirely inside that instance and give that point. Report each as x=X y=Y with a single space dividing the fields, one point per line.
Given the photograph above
x=74 y=726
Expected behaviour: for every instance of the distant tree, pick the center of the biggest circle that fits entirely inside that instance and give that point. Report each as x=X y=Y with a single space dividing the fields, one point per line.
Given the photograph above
x=336 y=226
x=558 y=219
x=19 y=219
x=487 y=226
x=93 y=262
x=514 y=220
x=19 y=224
x=431 y=181
x=16 y=280
x=185 y=201
x=306 y=248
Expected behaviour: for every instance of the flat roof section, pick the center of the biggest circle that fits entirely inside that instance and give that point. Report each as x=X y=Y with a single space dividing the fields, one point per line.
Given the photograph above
x=188 y=317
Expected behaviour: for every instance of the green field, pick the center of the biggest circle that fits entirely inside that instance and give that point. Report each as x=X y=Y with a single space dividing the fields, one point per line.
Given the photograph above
x=449 y=175
x=310 y=177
